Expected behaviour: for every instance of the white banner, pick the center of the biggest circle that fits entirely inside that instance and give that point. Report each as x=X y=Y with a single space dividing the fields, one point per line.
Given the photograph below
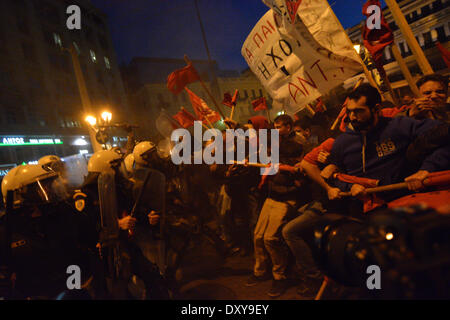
x=297 y=63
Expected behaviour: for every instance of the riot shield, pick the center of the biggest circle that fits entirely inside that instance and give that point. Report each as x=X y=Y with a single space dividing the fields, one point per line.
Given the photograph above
x=153 y=198
x=108 y=208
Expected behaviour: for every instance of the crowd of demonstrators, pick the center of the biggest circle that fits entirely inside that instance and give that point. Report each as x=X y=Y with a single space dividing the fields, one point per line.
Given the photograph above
x=370 y=152
x=269 y=216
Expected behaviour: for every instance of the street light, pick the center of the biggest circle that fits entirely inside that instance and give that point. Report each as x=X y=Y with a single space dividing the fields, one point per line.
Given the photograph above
x=91 y=120
x=106 y=116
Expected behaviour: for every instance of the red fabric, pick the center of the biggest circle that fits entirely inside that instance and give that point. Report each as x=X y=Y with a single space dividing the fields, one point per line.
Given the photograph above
x=319 y=106
x=259 y=122
x=184 y=118
x=312 y=156
x=229 y=100
x=437 y=200
x=292 y=7
x=375 y=40
x=445 y=53
x=201 y=109
x=365 y=182
x=177 y=80
x=259 y=104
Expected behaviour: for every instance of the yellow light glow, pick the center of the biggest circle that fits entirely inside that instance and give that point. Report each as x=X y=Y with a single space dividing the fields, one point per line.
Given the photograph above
x=357 y=48
x=106 y=116
x=91 y=120
x=389 y=236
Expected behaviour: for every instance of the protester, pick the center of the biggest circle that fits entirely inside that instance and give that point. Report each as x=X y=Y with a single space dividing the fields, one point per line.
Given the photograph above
x=432 y=103
x=285 y=196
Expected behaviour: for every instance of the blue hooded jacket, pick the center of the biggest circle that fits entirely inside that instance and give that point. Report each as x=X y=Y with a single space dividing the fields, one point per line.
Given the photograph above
x=381 y=152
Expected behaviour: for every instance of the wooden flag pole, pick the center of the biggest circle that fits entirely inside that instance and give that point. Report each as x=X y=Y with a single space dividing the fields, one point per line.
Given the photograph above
x=310 y=109
x=186 y=59
x=409 y=37
x=401 y=63
x=232 y=112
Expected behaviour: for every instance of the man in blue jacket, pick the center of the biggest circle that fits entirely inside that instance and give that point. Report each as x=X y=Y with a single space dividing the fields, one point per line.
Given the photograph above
x=375 y=147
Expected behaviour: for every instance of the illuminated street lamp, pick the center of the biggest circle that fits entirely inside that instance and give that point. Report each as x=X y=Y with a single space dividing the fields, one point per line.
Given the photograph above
x=91 y=120
x=106 y=116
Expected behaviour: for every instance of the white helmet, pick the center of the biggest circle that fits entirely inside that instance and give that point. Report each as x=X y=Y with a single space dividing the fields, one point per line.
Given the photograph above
x=129 y=163
x=34 y=184
x=141 y=150
x=53 y=162
x=9 y=182
x=105 y=160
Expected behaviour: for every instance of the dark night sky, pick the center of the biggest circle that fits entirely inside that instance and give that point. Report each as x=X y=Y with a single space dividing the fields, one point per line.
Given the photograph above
x=170 y=28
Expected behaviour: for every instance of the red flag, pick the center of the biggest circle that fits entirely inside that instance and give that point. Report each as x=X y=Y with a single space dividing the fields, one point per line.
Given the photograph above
x=201 y=109
x=228 y=100
x=292 y=6
x=184 y=118
x=259 y=104
x=445 y=54
x=375 y=40
x=319 y=107
x=177 y=80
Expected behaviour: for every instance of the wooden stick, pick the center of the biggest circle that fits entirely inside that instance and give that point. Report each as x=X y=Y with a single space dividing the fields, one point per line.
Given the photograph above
x=322 y=288
x=310 y=109
x=186 y=59
x=268 y=115
x=405 y=70
x=250 y=164
x=408 y=35
x=232 y=112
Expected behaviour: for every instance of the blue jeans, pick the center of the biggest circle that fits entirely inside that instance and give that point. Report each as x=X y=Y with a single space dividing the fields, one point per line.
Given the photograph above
x=295 y=231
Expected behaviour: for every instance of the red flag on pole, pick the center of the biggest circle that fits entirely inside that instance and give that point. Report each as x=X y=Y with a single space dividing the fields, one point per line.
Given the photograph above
x=201 y=109
x=259 y=104
x=375 y=40
x=177 y=80
x=292 y=6
x=184 y=118
x=229 y=100
x=445 y=53
x=320 y=106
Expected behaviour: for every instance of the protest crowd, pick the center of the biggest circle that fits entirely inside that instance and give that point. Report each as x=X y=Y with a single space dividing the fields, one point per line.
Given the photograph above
x=131 y=223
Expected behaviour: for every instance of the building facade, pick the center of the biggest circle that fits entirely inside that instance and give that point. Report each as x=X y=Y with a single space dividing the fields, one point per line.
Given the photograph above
x=41 y=110
x=146 y=82
x=430 y=22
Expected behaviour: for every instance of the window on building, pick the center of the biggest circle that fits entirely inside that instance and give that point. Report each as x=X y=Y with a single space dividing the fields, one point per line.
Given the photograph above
x=57 y=39
x=437 y=5
x=427 y=39
x=107 y=64
x=441 y=34
x=93 y=57
x=426 y=10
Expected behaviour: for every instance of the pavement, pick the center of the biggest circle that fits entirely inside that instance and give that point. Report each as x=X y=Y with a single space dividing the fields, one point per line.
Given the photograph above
x=228 y=283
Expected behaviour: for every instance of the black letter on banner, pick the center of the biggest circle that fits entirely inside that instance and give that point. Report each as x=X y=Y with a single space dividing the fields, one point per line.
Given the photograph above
x=282 y=49
x=273 y=56
x=264 y=71
x=283 y=68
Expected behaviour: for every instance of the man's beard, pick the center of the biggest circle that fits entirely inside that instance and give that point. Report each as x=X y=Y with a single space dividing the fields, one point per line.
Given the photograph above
x=362 y=125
